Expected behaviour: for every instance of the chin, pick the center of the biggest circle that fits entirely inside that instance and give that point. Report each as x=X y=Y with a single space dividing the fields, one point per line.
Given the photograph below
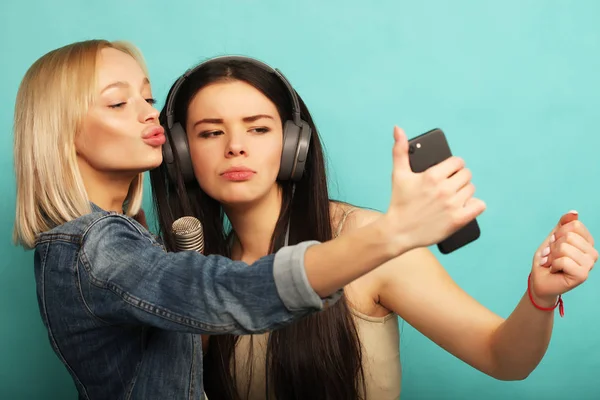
x=234 y=199
x=154 y=160
x=242 y=195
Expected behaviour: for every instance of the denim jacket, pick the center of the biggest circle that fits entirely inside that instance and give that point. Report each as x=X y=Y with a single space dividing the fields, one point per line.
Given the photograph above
x=124 y=316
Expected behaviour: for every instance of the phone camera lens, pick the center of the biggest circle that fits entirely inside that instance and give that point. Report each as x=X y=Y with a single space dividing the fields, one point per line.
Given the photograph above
x=411 y=149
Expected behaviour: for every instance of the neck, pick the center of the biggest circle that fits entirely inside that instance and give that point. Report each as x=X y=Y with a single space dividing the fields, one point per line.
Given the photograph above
x=107 y=190
x=254 y=225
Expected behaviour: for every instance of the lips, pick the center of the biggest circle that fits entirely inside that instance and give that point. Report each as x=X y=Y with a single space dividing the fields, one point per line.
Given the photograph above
x=237 y=169
x=153 y=132
x=238 y=174
x=154 y=136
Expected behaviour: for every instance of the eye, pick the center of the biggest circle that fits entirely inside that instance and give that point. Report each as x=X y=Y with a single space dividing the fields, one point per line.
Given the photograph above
x=117 y=105
x=151 y=101
x=260 y=130
x=209 y=134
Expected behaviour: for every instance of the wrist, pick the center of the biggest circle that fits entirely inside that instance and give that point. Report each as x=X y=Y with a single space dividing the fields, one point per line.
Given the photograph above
x=544 y=303
x=395 y=243
x=359 y=251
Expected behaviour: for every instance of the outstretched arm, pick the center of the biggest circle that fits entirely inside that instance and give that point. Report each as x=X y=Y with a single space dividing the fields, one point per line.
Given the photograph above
x=417 y=287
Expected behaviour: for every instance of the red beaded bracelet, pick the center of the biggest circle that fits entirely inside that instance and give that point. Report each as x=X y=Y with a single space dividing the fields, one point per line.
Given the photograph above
x=559 y=302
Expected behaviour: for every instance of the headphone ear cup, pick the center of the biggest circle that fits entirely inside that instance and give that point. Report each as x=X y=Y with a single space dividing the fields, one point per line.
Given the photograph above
x=301 y=151
x=167 y=150
x=178 y=142
x=169 y=158
x=291 y=133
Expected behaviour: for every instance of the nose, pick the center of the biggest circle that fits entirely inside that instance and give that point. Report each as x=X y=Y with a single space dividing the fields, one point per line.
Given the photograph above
x=236 y=146
x=149 y=113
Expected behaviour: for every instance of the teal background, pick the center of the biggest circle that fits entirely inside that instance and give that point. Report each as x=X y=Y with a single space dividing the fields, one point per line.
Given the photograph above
x=514 y=84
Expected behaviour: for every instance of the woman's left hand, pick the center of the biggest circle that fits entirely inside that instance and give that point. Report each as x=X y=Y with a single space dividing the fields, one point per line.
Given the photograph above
x=563 y=261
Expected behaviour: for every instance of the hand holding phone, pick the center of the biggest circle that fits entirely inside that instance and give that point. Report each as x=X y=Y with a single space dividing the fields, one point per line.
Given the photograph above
x=425 y=151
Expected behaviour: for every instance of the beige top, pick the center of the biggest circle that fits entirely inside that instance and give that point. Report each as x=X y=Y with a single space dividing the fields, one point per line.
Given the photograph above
x=380 y=340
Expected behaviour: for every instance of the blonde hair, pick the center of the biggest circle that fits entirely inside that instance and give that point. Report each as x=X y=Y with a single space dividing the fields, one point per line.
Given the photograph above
x=53 y=98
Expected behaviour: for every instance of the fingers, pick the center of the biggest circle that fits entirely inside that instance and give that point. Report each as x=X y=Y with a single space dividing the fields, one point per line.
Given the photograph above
x=565 y=219
x=446 y=168
x=576 y=247
x=578 y=242
x=574 y=226
x=568 y=222
x=464 y=194
x=400 y=152
x=568 y=217
x=572 y=246
x=473 y=208
x=459 y=180
x=569 y=267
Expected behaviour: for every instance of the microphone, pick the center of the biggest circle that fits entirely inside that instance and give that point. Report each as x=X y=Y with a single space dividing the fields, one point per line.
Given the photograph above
x=188 y=234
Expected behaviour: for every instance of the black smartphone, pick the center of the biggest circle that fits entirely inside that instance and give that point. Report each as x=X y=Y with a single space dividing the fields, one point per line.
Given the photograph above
x=427 y=150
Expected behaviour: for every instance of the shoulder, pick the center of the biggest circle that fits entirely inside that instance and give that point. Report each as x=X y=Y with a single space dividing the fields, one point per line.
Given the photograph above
x=114 y=241
x=346 y=217
x=72 y=231
x=113 y=227
x=116 y=236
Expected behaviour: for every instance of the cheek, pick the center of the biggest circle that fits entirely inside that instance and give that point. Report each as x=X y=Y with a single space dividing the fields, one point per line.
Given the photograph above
x=115 y=143
x=270 y=152
x=100 y=140
x=205 y=162
x=102 y=130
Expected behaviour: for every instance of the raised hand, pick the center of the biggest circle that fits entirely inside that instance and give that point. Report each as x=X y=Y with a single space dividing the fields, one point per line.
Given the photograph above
x=563 y=261
x=427 y=207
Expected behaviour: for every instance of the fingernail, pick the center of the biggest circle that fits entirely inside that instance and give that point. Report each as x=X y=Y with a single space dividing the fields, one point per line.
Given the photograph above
x=573 y=212
x=543 y=260
x=545 y=252
x=552 y=239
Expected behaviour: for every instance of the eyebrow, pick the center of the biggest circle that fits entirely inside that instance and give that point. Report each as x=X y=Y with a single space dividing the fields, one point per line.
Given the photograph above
x=121 y=84
x=251 y=118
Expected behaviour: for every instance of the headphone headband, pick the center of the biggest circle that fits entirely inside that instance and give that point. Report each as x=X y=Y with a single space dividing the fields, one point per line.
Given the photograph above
x=170 y=106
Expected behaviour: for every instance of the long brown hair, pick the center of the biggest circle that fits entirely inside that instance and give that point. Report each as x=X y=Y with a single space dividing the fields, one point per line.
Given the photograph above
x=318 y=357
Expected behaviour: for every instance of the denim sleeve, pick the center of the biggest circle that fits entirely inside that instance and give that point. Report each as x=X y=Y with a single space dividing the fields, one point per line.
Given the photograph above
x=126 y=278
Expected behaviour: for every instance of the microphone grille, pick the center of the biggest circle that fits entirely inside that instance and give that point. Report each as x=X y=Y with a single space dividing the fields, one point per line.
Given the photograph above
x=186 y=226
x=188 y=234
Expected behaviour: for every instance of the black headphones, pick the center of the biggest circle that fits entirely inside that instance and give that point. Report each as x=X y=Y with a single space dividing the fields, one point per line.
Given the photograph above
x=296 y=132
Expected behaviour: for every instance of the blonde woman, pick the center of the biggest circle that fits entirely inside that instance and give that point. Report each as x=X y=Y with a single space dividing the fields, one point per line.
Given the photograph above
x=122 y=314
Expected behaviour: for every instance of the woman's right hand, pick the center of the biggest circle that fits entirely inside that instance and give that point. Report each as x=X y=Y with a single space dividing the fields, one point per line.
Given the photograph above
x=427 y=207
